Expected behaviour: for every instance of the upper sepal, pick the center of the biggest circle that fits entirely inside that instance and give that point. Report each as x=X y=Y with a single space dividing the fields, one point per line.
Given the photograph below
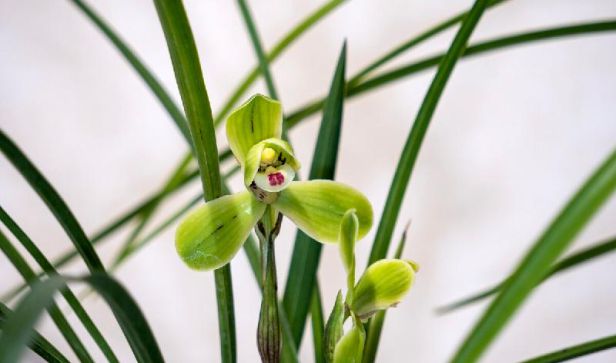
x=382 y=285
x=258 y=119
x=212 y=234
x=317 y=208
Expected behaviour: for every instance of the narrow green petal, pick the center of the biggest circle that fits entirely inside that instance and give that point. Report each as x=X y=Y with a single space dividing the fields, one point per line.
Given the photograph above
x=258 y=119
x=348 y=236
x=333 y=329
x=317 y=208
x=383 y=285
x=350 y=348
x=212 y=234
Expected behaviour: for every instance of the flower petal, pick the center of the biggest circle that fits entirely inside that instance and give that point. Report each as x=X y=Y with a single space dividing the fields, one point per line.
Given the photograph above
x=258 y=119
x=382 y=285
x=317 y=208
x=211 y=235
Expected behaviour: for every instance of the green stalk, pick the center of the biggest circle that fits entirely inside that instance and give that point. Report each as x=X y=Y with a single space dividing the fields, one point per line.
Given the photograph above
x=70 y=297
x=269 y=339
x=539 y=259
x=576 y=351
x=189 y=77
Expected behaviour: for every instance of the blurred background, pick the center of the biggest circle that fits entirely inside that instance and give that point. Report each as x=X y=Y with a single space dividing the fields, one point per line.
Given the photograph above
x=515 y=134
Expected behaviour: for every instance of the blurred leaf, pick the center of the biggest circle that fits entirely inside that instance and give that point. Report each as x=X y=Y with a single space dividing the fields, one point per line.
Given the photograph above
x=70 y=297
x=18 y=327
x=276 y=51
x=146 y=75
x=576 y=351
x=539 y=259
x=574 y=260
x=484 y=47
x=413 y=42
x=258 y=48
x=415 y=138
x=53 y=201
x=306 y=252
x=56 y=315
x=38 y=343
x=333 y=328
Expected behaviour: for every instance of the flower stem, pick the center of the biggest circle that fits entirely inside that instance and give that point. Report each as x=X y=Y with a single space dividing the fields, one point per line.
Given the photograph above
x=268 y=330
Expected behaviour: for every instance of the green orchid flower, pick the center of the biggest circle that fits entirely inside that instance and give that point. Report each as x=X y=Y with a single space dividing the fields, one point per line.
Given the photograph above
x=211 y=235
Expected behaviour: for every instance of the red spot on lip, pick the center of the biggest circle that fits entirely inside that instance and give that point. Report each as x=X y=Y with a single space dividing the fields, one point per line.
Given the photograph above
x=275 y=179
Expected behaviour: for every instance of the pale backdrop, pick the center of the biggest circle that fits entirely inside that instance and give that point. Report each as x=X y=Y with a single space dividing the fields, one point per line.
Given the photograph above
x=515 y=134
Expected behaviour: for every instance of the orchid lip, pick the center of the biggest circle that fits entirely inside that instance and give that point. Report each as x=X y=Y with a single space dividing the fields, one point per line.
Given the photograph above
x=275 y=179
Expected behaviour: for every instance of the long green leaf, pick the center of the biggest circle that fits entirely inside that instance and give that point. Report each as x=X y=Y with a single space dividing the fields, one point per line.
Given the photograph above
x=418 y=132
x=53 y=201
x=54 y=311
x=109 y=229
x=413 y=42
x=415 y=67
x=18 y=327
x=146 y=75
x=306 y=252
x=38 y=343
x=576 y=351
x=539 y=259
x=258 y=48
x=574 y=260
x=189 y=77
x=318 y=324
x=70 y=297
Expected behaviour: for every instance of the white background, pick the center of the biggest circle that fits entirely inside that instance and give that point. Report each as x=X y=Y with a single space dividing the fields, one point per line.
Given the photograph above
x=516 y=132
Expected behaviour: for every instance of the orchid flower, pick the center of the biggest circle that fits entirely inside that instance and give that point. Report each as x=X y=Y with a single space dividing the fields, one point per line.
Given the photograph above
x=211 y=235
